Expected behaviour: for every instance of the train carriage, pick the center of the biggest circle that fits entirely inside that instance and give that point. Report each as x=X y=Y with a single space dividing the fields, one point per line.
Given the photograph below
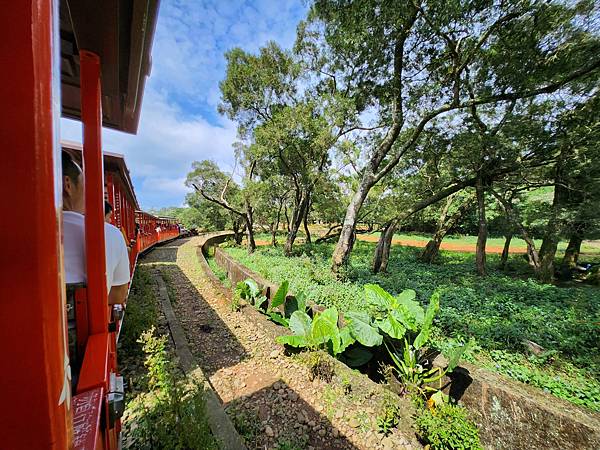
x=86 y=60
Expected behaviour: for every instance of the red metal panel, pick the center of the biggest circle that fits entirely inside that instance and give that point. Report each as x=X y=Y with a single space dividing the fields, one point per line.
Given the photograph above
x=32 y=302
x=87 y=408
x=91 y=113
x=94 y=371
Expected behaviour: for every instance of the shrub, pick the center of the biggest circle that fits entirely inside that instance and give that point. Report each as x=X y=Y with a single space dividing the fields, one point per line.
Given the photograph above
x=447 y=427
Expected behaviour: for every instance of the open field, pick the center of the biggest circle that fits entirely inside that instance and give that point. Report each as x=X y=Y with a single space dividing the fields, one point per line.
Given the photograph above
x=500 y=311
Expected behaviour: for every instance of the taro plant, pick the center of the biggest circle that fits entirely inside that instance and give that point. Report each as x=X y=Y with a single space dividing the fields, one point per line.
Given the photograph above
x=320 y=332
x=408 y=327
x=248 y=290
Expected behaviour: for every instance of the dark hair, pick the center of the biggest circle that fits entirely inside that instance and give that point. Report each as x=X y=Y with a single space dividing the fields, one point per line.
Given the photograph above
x=70 y=168
x=107 y=208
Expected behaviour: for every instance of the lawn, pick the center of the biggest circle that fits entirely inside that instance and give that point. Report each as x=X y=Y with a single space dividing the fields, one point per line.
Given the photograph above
x=499 y=311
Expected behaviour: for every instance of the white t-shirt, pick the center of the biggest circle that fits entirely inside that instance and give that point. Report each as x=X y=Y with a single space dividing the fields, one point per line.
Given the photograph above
x=117 y=257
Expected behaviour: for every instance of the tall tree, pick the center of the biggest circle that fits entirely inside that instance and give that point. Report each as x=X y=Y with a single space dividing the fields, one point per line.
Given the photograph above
x=412 y=63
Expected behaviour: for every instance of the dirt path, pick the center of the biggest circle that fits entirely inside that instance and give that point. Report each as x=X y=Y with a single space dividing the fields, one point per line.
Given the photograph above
x=268 y=395
x=465 y=248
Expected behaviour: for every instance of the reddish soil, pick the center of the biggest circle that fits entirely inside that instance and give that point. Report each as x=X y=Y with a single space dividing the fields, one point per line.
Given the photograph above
x=466 y=248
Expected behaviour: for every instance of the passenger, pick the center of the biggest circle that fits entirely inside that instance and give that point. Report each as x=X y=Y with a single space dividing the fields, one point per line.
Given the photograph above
x=117 y=260
x=108 y=209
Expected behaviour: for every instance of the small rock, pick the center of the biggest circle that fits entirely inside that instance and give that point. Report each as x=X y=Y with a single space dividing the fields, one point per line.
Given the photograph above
x=339 y=414
x=300 y=417
x=311 y=423
x=322 y=432
x=335 y=433
x=269 y=431
x=388 y=443
x=353 y=422
x=274 y=354
x=281 y=391
x=293 y=396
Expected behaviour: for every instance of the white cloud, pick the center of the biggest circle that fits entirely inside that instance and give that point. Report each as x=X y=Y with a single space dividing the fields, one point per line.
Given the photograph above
x=160 y=155
x=179 y=123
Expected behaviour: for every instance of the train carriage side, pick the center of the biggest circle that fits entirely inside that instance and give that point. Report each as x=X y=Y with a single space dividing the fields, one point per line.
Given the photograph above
x=85 y=60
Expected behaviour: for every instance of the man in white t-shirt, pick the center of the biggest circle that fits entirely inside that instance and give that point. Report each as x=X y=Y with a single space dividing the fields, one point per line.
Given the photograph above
x=117 y=258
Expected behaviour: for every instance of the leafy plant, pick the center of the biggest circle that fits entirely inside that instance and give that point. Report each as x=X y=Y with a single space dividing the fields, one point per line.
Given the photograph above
x=248 y=290
x=320 y=332
x=447 y=427
x=173 y=414
x=388 y=419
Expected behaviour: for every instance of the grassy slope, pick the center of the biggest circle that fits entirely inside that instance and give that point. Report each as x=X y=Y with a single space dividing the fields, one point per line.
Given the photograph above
x=499 y=310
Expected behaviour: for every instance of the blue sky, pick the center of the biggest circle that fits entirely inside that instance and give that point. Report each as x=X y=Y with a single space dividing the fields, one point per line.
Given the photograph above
x=179 y=120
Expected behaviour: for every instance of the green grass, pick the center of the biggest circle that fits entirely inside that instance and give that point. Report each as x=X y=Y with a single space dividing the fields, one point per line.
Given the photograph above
x=499 y=311
x=589 y=248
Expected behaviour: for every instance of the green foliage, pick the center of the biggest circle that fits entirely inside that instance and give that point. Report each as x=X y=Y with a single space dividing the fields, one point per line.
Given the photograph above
x=248 y=290
x=447 y=427
x=499 y=310
x=173 y=414
x=388 y=418
x=322 y=332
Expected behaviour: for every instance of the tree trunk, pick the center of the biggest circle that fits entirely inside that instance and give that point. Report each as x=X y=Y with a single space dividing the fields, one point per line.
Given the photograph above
x=297 y=219
x=238 y=232
x=505 y=251
x=305 y=222
x=482 y=233
x=572 y=252
x=384 y=236
x=250 y=228
x=532 y=253
x=387 y=246
x=342 y=251
x=551 y=235
x=432 y=249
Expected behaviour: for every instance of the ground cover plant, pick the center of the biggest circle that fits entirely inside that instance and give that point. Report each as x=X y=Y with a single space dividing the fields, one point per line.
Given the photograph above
x=499 y=311
x=164 y=409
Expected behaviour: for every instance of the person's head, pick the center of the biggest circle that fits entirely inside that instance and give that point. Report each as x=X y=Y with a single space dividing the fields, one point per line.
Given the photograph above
x=108 y=209
x=72 y=178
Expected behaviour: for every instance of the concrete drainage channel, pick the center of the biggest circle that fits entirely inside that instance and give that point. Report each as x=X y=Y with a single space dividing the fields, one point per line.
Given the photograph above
x=509 y=414
x=221 y=426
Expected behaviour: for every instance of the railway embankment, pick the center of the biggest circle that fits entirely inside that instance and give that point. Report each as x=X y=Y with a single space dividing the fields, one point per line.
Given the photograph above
x=508 y=413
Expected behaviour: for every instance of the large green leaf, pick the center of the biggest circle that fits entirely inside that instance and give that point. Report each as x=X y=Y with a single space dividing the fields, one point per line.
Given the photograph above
x=300 y=323
x=279 y=297
x=252 y=287
x=278 y=318
x=292 y=340
x=378 y=298
x=392 y=326
x=432 y=309
x=346 y=338
x=295 y=303
x=455 y=354
x=360 y=326
x=406 y=303
x=325 y=328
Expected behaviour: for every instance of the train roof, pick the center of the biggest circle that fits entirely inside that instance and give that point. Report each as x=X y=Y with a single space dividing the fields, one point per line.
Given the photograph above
x=120 y=32
x=113 y=162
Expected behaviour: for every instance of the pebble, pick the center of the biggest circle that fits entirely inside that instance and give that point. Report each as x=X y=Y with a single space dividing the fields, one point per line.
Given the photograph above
x=322 y=432
x=293 y=396
x=335 y=433
x=388 y=443
x=311 y=423
x=274 y=354
x=269 y=431
x=339 y=414
x=353 y=422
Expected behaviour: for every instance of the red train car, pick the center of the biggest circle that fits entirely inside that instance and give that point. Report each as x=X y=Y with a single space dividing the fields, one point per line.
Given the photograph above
x=86 y=60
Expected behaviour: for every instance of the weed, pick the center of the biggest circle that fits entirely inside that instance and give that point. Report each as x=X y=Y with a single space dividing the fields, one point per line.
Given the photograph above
x=388 y=417
x=173 y=414
x=447 y=427
x=319 y=367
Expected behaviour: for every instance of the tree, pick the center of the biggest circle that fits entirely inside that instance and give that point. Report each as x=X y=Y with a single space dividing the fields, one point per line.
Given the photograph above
x=216 y=187
x=413 y=63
